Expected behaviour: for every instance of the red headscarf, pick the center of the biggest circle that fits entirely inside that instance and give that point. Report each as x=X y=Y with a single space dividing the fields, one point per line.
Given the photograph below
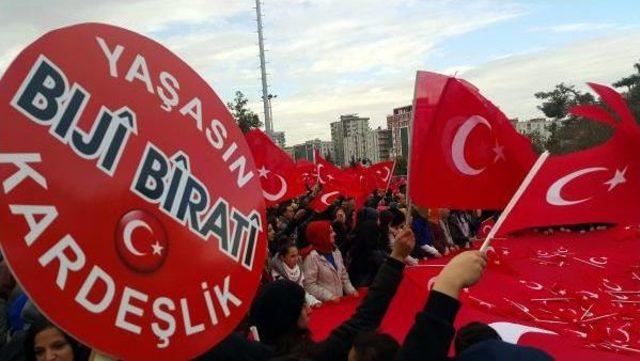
x=319 y=235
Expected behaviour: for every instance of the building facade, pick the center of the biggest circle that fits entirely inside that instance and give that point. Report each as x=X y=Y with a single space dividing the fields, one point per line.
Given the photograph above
x=398 y=123
x=279 y=138
x=378 y=145
x=355 y=130
x=306 y=149
x=538 y=125
x=291 y=152
x=337 y=139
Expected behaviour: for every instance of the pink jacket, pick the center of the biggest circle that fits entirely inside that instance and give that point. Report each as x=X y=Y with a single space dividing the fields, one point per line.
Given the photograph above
x=322 y=280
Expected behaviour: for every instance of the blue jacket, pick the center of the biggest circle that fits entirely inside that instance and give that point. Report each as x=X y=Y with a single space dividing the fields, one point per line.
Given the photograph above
x=421 y=230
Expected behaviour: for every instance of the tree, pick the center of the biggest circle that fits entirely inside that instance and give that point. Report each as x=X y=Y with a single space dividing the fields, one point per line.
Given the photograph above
x=632 y=84
x=245 y=118
x=538 y=141
x=569 y=133
x=556 y=103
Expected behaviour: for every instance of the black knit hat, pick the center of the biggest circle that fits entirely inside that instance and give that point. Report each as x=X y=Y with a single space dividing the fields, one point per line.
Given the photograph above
x=276 y=309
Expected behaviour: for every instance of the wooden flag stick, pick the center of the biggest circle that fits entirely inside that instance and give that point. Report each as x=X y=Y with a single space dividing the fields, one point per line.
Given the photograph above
x=393 y=169
x=512 y=202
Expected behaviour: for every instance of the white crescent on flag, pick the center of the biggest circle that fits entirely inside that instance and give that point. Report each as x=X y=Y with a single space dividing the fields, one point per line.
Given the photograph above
x=554 y=196
x=459 y=142
x=320 y=166
x=386 y=177
x=128 y=230
x=275 y=196
x=325 y=197
x=511 y=332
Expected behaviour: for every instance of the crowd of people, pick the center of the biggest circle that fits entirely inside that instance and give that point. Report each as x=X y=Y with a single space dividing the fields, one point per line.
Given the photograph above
x=316 y=258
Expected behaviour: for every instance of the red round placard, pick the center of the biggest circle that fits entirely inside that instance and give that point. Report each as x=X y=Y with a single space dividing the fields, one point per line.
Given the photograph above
x=131 y=211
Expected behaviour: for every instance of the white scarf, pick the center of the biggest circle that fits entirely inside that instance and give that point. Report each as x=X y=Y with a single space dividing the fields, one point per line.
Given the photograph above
x=293 y=274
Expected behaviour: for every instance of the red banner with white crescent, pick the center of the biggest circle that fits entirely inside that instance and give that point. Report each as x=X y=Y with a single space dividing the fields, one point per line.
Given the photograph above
x=279 y=176
x=465 y=154
x=597 y=185
x=576 y=296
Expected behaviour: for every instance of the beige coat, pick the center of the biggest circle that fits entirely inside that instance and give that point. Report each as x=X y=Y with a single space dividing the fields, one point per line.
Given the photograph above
x=322 y=280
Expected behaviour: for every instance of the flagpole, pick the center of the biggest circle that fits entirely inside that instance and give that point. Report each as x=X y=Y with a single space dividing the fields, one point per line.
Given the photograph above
x=393 y=169
x=512 y=202
x=408 y=219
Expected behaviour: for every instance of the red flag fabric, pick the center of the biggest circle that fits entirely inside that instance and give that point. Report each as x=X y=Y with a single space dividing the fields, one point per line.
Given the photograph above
x=278 y=173
x=485 y=227
x=326 y=170
x=573 y=295
x=396 y=182
x=597 y=185
x=307 y=172
x=327 y=196
x=380 y=173
x=465 y=153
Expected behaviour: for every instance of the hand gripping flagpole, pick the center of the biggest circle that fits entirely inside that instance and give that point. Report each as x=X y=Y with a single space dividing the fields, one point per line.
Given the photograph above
x=512 y=202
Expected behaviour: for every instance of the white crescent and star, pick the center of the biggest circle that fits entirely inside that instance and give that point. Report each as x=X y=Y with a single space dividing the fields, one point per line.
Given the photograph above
x=460 y=141
x=555 y=198
x=128 y=231
x=262 y=172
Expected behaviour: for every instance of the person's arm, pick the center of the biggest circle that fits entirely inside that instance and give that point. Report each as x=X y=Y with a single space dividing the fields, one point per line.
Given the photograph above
x=371 y=310
x=311 y=270
x=431 y=334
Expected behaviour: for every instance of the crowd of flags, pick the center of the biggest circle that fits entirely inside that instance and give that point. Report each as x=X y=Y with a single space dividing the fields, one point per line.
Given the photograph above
x=466 y=154
x=283 y=179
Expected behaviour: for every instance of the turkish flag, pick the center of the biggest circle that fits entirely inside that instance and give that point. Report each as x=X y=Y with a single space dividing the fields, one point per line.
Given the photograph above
x=326 y=170
x=465 y=154
x=485 y=227
x=380 y=173
x=597 y=185
x=396 y=182
x=573 y=295
x=307 y=172
x=325 y=198
x=278 y=174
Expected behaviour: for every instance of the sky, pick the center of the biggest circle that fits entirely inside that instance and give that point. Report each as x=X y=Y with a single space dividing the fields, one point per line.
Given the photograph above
x=332 y=57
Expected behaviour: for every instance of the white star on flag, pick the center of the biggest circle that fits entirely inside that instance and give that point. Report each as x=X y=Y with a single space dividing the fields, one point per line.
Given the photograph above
x=157 y=248
x=499 y=150
x=262 y=171
x=618 y=178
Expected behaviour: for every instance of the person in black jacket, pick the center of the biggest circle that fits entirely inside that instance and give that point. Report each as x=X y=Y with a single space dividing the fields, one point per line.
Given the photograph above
x=280 y=316
x=431 y=335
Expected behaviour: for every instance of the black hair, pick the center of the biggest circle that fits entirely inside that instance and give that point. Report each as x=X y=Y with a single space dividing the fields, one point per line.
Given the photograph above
x=283 y=249
x=375 y=346
x=80 y=352
x=398 y=217
x=472 y=333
